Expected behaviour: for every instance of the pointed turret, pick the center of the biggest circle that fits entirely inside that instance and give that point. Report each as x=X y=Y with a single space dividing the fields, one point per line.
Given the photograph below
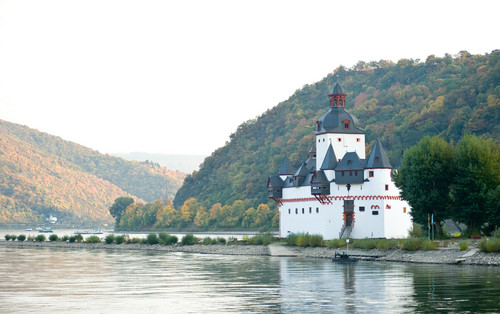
x=337 y=97
x=330 y=161
x=286 y=168
x=299 y=175
x=378 y=158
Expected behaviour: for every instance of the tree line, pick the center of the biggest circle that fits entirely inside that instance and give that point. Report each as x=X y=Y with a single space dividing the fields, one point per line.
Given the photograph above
x=192 y=215
x=459 y=182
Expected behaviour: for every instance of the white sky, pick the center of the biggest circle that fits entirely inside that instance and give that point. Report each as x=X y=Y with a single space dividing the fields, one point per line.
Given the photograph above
x=178 y=77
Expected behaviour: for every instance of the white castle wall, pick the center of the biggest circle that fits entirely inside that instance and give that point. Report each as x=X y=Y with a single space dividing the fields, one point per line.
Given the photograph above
x=347 y=143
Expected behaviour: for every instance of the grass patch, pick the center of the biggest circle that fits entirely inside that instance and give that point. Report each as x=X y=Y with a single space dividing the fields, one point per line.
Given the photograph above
x=261 y=239
x=489 y=245
x=414 y=244
x=463 y=245
x=305 y=240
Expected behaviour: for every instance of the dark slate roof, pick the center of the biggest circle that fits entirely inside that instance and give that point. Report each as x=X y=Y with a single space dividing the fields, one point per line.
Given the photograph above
x=330 y=161
x=302 y=171
x=337 y=89
x=286 y=167
x=275 y=181
x=310 y=164
x=378 y=158
x=312 y=150
x=333 y=122
x=319 y=177
x=350 y=161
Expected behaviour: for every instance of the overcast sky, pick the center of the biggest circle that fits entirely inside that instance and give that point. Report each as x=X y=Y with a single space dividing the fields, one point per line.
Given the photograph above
x=178 y=77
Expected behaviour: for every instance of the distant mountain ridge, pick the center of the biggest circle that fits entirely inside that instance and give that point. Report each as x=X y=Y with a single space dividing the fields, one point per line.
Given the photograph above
x=43 y=174
x=184 y=163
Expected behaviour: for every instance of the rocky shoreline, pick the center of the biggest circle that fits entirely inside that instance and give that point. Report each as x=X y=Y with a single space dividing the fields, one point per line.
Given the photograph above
x=441 y=256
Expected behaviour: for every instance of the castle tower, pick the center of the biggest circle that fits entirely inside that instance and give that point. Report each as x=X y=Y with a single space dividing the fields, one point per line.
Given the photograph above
x=338 y=128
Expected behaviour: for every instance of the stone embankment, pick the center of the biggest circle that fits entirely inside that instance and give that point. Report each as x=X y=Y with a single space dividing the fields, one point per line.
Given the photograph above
x=441 y=256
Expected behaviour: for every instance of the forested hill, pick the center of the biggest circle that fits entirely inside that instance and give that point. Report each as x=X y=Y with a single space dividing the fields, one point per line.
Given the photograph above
x=398 y=102
x=42 y=174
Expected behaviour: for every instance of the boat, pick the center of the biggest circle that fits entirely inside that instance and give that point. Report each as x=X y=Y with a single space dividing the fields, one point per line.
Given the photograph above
x=343 y=258
x=89 y=232
x=45 y=230
x=28 y=229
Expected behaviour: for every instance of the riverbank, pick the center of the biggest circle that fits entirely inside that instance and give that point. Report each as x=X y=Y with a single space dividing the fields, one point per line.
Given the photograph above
x=471 y=256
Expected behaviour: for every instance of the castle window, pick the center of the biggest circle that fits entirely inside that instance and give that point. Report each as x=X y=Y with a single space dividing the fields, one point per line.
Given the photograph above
x=375 y=212
x=289 y=211
x=310 y=210
x=349 y=162
x=317 y=210
x=342 y=173
x=387 y=187
x=356 y=173
x=350 y=173
x=361 y=208
x=370 y=174
x=358 y=139
x=339 y=139
x=377 y=159
x=302 y=210
x=318 y=125
x=346 y=125
x=404 y=209
x=296 y=210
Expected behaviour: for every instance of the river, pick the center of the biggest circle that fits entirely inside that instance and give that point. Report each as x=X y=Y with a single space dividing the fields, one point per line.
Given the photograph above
x=50 y=280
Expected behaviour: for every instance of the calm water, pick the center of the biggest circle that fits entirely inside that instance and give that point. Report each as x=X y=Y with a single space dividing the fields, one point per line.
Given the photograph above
x=97 y=281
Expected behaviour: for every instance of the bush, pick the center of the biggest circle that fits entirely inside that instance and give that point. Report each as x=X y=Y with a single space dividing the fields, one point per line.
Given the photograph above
x=167 y=239
x=21 y=237
x=120 y=239
x=291 y=239
x=79 y=238
x=110 y=238
x=464 y=245
x=93 y=239
x=189 y=239
x=221 y=240
x=489 y=245
x=134 y=240
x=152 y=239
x=53 y=237
x=496 y=233
x=40 y=238
x=72 y=239
x=7 y=237
x=206 y=241
x=65 y=238
x=416 y=231
x=31 y=238
x=261 y=239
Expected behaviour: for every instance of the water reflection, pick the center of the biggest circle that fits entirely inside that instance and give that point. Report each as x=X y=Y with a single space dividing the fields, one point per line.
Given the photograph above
x=99 y=281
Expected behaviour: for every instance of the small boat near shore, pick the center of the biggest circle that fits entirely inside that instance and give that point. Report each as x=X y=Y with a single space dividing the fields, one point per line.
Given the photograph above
x=45 y=230
x=343 y=258
x=28 y=229
x=88 y=232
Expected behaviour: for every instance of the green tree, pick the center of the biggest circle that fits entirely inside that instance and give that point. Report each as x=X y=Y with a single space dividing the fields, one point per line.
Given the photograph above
x=477 y=163
x=425 y=178
x=119 y=206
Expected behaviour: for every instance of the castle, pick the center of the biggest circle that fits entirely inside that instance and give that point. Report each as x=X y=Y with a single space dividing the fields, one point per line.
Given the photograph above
x=338 y=192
